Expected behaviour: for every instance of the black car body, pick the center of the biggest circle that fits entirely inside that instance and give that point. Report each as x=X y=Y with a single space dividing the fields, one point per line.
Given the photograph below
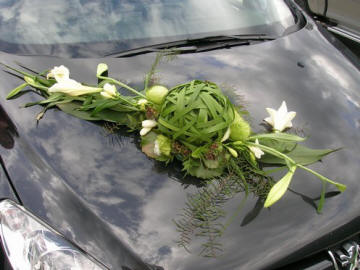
x=104 y=195
x=342 y=17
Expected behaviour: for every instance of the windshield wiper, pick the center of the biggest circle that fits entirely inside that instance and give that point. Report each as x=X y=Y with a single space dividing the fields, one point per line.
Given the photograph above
x=195 y=45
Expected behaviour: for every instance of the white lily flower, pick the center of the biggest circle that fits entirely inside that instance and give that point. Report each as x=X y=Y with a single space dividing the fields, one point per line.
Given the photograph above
x=256 y=150
x=147 y=126
x=280 y=119
x=72 y=88
x=60 y=73
x=226 y=135
x=109 y=91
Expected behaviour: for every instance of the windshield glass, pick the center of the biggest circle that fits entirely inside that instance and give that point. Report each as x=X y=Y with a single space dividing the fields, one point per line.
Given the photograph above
x=130 y=23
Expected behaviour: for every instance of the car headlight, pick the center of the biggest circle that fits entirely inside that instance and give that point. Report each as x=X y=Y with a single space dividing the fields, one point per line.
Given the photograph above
x=31 y=244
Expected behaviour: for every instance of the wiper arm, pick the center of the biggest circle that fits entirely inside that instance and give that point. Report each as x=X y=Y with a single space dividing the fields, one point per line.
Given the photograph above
x=195 y=45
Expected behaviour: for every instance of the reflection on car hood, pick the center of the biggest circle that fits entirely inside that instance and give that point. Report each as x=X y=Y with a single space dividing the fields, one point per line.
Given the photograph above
x=97 y=188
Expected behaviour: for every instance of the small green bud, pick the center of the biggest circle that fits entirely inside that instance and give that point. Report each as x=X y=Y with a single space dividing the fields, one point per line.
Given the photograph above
x=157 y=94
x=233 y=152
x=240 y=129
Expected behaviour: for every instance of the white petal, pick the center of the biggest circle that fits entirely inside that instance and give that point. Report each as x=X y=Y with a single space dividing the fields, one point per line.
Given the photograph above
x=142 y=101
x=144 y=131
x=157 y=150
x=110 y=89
x=226 y=135
x=283 y=109
x=290 y=116
x=271 y=118
x=59 y=73
x=105 y=94
x=256 y=150
x=49 y=75
x=72 y=88
x=149 y=123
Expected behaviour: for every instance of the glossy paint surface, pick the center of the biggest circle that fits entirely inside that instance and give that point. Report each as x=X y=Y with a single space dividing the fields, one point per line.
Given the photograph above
x=7 y=134
x=105 y=195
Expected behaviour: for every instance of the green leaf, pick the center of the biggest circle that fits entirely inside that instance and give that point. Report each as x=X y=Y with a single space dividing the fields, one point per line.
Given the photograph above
x=72 y=108
x=131 y=120
x=32 y=81
x=211 y=164
x=18 y=71
x=284 y=137
x=196 y=168
x=279 y=189
x=15 y=91
x=105 y=105
x=300 y=154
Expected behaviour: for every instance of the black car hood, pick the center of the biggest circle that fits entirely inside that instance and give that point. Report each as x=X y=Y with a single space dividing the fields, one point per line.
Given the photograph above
x=105 y=195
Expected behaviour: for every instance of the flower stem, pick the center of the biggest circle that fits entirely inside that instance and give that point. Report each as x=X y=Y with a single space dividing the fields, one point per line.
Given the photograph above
x=122 y=85
x=274 y=152
x=341 y=187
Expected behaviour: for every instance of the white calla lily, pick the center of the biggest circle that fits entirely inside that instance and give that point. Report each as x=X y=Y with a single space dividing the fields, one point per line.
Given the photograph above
x=109 y=91
x=280 y=119
x=60 y=73
x=147 y=126
x=256 y=150
x=72 y=88
x=66 y=85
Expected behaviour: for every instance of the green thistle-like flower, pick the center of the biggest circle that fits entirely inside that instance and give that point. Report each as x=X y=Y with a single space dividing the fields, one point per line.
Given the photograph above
x=240 y=129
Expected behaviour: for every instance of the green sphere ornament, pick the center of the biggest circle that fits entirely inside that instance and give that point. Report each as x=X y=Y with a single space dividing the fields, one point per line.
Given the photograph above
x=195 y=113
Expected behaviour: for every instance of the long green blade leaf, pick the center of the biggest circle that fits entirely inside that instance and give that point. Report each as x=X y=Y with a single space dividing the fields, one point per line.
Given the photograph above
x=279 y=189
x=15 y=91
x=278 y=136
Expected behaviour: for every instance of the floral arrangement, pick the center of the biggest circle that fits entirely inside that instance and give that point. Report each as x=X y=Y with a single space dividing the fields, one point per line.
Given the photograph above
x=193 y=122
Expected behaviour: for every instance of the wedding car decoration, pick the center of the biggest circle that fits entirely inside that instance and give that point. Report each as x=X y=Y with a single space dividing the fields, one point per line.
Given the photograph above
x=193 y=122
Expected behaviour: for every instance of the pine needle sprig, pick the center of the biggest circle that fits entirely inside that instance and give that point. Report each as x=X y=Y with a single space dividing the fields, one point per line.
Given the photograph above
x=203 y=211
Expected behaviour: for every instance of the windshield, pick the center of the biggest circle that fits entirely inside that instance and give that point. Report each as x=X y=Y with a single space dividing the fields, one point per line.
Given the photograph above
x=130 y=23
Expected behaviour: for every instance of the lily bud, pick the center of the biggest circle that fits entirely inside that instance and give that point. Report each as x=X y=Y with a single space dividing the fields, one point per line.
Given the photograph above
x=157 y=94
x=147 y=126
x=240 y=129
x=142 y=102
x=149 y=123
x=101 y=69
x=232 y=152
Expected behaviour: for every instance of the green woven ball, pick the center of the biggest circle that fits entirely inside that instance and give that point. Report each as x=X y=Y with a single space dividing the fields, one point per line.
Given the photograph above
x=195 y=113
